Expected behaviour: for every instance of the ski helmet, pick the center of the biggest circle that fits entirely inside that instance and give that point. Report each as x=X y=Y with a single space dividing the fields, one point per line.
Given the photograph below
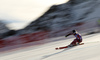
x=74 y=31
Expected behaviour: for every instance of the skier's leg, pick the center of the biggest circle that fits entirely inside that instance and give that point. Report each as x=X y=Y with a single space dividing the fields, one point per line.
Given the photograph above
x=74 y=42
x=79 y=41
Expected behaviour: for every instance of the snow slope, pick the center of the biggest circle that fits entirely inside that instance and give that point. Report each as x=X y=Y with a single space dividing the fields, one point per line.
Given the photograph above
x=89 y=51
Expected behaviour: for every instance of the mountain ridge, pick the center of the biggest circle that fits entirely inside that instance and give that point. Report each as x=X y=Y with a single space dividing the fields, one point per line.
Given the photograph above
x=64 y=16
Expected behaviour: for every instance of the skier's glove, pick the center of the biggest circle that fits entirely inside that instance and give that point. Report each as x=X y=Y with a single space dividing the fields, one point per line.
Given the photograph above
x=66 y=35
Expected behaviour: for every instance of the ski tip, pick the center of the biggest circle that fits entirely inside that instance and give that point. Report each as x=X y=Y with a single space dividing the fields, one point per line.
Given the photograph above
x=56 y=48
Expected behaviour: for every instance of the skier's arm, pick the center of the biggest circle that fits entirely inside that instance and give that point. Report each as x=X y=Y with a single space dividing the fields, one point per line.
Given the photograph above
x=67 y=35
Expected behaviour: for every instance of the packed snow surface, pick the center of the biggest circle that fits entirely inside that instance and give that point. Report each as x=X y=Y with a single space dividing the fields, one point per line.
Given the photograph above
x=89 y=51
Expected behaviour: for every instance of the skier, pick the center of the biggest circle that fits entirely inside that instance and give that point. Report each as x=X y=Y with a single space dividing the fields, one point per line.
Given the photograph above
x=78 y=39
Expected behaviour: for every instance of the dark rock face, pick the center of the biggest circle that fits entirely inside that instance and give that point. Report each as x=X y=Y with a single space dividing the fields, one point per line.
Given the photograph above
x=8 y=33
x=76 y=2
x=3 y=27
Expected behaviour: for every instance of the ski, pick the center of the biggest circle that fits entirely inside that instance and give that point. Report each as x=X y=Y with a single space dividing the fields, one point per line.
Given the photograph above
x=67 y=46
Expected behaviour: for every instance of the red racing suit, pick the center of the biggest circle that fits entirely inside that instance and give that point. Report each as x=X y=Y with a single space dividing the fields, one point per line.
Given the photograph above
x=77 y=40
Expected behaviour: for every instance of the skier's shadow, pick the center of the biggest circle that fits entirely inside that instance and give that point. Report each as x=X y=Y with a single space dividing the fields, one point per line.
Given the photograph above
x=57 y=53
